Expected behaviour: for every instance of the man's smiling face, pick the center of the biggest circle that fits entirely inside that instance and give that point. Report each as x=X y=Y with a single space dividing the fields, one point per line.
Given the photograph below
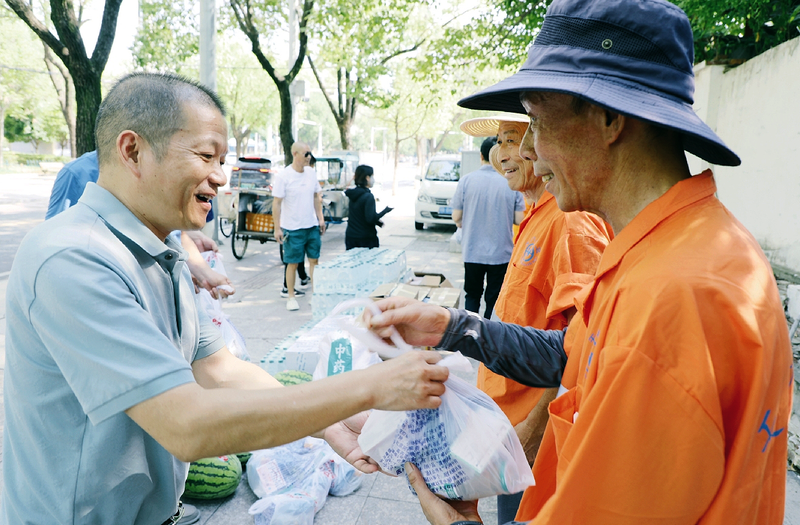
x=180 y=186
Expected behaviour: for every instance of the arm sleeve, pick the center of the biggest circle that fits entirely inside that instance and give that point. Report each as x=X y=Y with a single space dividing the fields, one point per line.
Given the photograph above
x=369 y=209
x=458 y=197
x=529 y=356
x=279 y=187
x=110 y=351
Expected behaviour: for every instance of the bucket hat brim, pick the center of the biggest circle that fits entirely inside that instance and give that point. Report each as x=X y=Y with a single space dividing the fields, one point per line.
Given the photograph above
x=625 y=97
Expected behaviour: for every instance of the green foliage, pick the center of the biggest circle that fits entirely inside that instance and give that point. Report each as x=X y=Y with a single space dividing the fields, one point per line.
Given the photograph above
x=168 y=35
x=732 y=31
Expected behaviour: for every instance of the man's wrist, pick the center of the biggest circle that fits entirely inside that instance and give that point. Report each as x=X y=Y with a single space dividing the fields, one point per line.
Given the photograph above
x=467 y=523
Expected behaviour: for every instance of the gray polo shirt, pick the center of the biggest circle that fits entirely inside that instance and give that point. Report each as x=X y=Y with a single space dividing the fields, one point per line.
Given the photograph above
x=100 y=316
x=488 y=206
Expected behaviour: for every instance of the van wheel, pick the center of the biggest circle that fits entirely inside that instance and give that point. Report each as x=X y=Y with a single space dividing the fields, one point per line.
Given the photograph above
x=418 y=225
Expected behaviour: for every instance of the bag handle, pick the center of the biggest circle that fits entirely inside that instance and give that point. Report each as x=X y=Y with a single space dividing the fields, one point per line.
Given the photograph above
x=366 y=337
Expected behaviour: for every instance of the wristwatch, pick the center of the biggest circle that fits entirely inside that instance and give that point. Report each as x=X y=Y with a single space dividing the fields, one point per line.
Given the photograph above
x=467 y=523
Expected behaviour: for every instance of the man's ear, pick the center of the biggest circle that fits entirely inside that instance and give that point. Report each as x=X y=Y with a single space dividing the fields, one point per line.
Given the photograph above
x=614 y=124
x=129 y=150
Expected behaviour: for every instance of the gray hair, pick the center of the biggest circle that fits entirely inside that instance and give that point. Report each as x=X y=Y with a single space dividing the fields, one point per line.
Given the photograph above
x=151 y=105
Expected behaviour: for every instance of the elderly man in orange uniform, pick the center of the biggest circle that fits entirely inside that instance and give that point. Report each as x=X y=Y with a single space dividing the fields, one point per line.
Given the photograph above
x=676 y=394
x=555 y=255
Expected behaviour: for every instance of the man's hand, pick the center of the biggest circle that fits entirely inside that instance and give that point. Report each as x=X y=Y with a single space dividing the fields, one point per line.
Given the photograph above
x=408 y=382
x=440 y=511
x=419 y=324
x=217 y=284
x=343 y=439
x=204 y=242
x=322 y=226
x=279 y=235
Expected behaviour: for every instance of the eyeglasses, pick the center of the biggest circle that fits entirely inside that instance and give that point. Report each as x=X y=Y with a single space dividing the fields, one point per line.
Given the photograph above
x=308 y=154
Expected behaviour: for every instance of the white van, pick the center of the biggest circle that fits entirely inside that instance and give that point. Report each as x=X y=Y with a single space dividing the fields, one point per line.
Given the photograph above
x=436 y=191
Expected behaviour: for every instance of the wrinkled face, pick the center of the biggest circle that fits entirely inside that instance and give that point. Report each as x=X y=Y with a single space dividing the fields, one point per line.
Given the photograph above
x=517 y=171
x=179 y=188
x=566 y=149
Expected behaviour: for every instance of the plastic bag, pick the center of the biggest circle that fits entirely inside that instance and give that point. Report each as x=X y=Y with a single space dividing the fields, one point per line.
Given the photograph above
x=277 y=470
x=296 y=507
x=466 y=449
x=339 y=352
x=346 y=478
x=213 y=308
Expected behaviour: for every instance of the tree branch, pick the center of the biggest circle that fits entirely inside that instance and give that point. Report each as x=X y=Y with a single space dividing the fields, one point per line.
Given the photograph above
x=324 y=93
x=308 y=6
x=25 y=12
x=241 y=10
x=105 y=39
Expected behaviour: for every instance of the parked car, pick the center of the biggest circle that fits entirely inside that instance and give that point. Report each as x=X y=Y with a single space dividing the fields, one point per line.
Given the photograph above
x=433 y=205
x=251 y=173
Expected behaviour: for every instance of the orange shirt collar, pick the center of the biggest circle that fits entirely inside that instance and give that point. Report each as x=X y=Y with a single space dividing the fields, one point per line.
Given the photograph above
x=681 y=195
x=539 y=203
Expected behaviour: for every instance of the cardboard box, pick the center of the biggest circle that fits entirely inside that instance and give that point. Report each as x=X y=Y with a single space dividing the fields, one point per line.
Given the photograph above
x=432 y=288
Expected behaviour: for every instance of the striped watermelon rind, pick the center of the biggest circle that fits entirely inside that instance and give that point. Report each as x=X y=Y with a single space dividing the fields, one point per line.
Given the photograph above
x=293 y=377
x=213 y=478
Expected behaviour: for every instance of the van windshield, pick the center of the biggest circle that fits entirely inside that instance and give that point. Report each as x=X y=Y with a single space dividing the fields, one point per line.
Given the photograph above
x=443 y=170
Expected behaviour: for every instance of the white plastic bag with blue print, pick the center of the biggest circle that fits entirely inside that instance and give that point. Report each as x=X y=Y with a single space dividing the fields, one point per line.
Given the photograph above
x=296 y=507
x=466 y=449
x=280 y=469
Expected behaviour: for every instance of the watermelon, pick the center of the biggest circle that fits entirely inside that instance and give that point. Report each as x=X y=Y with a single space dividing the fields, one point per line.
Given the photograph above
x=293 y=377
x=213 y=478
x=243 y=457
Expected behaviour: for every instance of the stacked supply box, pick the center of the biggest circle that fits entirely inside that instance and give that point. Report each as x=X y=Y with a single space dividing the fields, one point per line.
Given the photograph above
x=355 y=273
x=432 y=288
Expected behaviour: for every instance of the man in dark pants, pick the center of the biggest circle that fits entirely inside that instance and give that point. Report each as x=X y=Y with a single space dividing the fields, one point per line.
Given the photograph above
x=485 y=208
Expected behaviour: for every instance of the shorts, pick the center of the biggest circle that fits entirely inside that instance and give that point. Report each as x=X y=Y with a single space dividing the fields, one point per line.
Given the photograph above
x=299 y=243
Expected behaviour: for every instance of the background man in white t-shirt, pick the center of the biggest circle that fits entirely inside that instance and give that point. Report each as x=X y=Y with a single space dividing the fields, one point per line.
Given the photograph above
x=297 y=209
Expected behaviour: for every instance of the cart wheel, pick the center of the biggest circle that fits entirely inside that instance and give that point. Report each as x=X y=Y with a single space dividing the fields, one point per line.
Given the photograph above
x=239 y=245
x=226 y=226
x=328 y=215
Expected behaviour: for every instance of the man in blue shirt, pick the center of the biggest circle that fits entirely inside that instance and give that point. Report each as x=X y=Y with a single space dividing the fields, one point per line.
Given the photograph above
x=70 y=182
x=114 y=380
x=485 y=209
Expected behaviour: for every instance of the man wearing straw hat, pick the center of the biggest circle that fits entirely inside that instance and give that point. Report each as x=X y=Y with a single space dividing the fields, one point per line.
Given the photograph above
x=485 y=209
x=676 y=394
x=555 y=255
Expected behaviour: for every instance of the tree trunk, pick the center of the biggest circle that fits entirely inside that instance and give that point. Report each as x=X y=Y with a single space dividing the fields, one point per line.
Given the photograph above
x=88 y=97
x=344 y=133
x=285 y=127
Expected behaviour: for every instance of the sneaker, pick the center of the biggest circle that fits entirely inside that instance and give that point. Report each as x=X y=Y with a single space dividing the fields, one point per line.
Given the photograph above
x=305 y=282
x=292 y=305
x=190 y=514
x=297 y=293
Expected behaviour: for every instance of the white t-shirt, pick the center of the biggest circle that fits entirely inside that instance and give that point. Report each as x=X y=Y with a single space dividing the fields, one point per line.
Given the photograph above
x=297 y=191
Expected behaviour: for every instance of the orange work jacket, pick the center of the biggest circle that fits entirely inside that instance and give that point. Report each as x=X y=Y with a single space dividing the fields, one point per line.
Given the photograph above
x=678 y=380
x=555 y=255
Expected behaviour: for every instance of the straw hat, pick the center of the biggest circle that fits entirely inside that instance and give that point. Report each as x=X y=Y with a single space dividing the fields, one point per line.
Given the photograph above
x=487 y=126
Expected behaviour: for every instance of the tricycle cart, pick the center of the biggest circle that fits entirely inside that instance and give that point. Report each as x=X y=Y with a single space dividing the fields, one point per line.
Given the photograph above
x=253 y=220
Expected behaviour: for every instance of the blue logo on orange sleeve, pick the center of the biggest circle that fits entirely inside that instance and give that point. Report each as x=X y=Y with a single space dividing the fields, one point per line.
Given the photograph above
x=765 y=427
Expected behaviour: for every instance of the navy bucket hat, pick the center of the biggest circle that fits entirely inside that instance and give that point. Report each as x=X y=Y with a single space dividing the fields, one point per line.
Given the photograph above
x=630 y=56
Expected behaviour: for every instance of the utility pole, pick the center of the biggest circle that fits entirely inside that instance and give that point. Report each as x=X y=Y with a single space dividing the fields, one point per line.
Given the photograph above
x=208 y=73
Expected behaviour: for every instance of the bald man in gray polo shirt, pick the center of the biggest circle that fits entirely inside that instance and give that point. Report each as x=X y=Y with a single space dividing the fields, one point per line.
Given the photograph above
x=114 y=380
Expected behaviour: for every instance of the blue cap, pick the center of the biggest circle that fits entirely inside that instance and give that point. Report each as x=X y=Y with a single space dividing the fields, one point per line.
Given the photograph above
x=630 y=56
